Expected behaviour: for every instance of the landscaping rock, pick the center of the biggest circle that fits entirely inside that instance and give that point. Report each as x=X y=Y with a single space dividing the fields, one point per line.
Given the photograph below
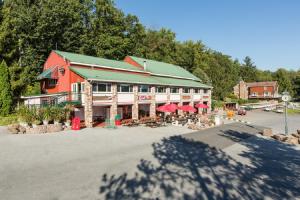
x=22 y=130
x=51 y=128
x=292 y=140
x=13 y=128
x=298 y=131
x=295 y=135
x=280 y=137
x=267 y=132
x=37 y=130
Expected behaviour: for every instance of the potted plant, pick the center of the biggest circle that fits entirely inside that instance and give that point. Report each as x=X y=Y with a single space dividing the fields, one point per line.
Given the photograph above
x=58 y=114
x=46 y=113
x=68 y=110
x=24 y=116
x=36 y=117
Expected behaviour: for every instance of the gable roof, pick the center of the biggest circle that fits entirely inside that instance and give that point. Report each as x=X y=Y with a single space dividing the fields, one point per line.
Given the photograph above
x=265 y=83
x=164 y=69
x=97 y=62
x=122 y=77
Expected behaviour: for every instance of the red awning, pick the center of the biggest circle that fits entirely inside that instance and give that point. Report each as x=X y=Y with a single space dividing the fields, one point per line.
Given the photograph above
x=201 y=105
x=187 y=108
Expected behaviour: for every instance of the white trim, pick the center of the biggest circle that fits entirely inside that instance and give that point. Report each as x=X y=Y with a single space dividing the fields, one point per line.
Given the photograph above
x=43 y=95
x=102 y=66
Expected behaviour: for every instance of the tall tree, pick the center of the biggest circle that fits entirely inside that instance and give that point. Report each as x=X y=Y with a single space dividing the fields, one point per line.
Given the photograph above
x=248 y=70
x=284 y=81
x=5 y=90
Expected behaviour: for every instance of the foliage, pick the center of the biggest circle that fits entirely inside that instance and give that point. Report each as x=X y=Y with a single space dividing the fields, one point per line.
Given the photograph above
x=25 y=114
x=29 y=30
x=5 y=90
x=293 y=111
x=216 y=104
x=9 y=119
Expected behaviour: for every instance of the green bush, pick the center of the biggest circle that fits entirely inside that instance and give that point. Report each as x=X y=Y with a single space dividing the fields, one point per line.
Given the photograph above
x=10 y=119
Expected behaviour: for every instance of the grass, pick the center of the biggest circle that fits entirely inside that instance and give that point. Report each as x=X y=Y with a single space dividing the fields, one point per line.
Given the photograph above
x=293 y=111
x=10 y=119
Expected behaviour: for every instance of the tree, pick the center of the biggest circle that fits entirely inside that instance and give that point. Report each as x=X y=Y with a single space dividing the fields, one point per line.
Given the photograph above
x=284 y=81
x=5 y=90
x=248 y=71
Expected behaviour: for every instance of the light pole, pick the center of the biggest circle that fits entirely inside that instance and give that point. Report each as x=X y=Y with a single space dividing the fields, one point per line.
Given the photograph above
x=285 y=98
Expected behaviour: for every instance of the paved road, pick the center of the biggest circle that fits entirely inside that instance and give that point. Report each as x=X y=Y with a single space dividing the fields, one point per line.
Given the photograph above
x=145 y=163
x=273 y=120
x=226 y=135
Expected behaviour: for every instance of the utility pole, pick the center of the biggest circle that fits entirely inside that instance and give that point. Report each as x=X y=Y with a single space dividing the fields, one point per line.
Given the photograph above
x=285 y=98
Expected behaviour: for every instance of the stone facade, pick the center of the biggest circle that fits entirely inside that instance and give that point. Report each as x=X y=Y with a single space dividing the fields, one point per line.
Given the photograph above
x=241 y=90
x=114 y=105
x=152 y=103
x=88 y=105
x=180 y=112
x=135 y=106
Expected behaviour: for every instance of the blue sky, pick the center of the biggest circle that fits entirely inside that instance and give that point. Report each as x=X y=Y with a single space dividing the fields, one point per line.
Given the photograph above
x=266 y=30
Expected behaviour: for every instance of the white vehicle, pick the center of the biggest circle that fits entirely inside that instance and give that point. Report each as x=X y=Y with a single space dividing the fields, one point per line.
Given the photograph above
x=268 y=109
x=279 y=110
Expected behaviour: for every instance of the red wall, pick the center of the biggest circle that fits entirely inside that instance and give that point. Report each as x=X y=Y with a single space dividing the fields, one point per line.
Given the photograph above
x=260 y=90
x=64 y=80
x=132 y=62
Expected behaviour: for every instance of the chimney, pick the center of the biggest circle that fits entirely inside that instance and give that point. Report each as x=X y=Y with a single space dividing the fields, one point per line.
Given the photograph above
x=145 y=65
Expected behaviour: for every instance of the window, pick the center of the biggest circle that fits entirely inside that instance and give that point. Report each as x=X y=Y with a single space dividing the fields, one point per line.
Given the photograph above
x=174 y=90
x=186 y=90
x=52 y=82
x=196 y=91
x=101 y=87
x=124 y=88
x=160 y=89
x=144 y=88
x=205 y=91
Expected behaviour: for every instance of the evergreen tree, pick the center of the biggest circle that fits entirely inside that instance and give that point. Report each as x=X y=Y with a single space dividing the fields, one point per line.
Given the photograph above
x=5 y=90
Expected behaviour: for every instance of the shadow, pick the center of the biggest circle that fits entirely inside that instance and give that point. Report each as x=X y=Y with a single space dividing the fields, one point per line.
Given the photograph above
x=185 y=169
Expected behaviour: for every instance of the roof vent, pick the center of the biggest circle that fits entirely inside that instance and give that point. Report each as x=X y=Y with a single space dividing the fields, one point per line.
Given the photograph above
x=145 y=65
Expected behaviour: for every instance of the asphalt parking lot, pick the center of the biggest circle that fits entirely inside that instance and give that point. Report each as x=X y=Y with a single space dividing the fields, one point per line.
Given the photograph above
x=272 y=120
x=226 y=162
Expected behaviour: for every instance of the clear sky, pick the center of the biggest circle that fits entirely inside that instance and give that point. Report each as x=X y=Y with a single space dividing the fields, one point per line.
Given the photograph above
x=266 y=30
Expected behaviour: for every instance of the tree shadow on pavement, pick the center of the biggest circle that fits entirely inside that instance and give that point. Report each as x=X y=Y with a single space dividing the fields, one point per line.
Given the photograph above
x=185 y=169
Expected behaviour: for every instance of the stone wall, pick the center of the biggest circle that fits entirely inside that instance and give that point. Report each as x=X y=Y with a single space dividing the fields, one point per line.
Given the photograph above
x=88 y=105
x=241 y=90
x=114 y=105
x=152 y=103
x=135 y=106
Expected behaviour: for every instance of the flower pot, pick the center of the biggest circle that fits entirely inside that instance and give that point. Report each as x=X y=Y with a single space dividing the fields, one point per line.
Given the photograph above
x=68 y=123
x=34 y=125
x=45 y=122
x=56 y=122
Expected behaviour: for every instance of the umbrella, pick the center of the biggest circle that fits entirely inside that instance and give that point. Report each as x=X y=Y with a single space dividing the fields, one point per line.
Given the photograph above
x=187 y=108
x=163 y=108
x=172 y=107
x=201 y=105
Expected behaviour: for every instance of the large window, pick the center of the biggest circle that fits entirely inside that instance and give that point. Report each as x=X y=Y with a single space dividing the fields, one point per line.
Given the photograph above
x=174 y=90
x=196 y=91
x=101 y=87
x=124 y=88
x=205 y=91
x=144 y=88
x=160 y=89
x=186 y=90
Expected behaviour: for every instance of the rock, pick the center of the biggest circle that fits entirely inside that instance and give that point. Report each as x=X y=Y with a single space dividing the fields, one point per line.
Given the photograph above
x=267 y=132
x=22 y=129
x=51 y=128
x=292 y=140
x=298 y=131
x=280 y=137
x=37 y=130
x=296 y=135
x=13 y=128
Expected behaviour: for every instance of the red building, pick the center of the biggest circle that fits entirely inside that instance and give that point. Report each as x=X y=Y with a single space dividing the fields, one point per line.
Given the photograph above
x=257 y=90
x=102 y=88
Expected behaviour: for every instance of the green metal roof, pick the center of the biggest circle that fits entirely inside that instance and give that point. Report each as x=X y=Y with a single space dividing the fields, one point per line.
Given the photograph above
x=46 y=74
x=91 y=60
x=162 y=68
x=114 y=76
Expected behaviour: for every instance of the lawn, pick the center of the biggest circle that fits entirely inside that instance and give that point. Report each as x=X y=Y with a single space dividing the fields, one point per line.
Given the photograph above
x=11 y=119
x=293 y=111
